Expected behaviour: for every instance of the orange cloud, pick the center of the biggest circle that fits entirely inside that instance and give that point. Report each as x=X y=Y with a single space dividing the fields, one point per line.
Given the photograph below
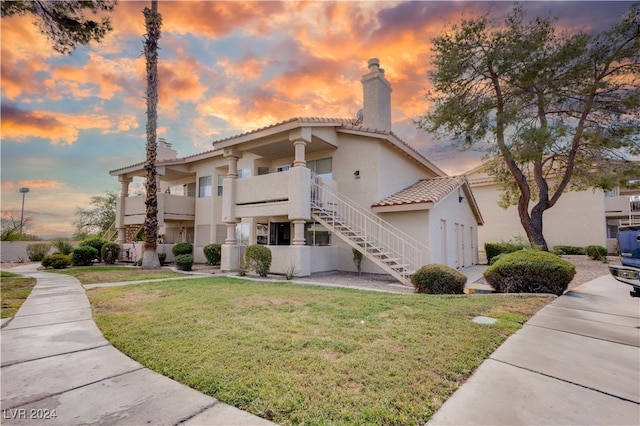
x=13 y=186
x=19 y=125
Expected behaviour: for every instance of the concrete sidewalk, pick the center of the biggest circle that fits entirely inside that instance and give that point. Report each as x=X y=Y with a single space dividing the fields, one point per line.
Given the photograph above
x=576 y=362
x=55 y=362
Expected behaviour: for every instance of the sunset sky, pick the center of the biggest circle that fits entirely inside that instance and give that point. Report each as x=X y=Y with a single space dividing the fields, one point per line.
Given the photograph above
x=225 y=68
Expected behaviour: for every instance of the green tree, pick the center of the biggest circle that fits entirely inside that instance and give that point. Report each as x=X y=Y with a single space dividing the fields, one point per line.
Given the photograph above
x=153 y=22
x=558 y=111
x=96 y=219
x=64 y=22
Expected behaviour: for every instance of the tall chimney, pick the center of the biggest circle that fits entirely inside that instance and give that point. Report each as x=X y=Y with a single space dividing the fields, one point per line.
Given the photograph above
x=376 y=98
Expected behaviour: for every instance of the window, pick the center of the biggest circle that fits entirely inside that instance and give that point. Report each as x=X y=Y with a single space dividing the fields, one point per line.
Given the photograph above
x=244 y=173
x=242 y=233
x=322 y=168
x=220 y=181
x=316 y=234
x=282 y=168
x=263 y=171
x=204 y=186
x=613 y=192
x=190 y=189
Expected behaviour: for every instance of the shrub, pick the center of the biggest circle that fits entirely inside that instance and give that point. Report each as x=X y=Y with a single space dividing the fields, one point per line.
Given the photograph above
x=494 y=249
x=37 y=252
x=530 y=271
x=162 y=257
x=84 y=256
x=259 y=259
x=110 y=252
x=63 y=246
x=182 y=248
x=357 y=259
x=184 y=262
x=95 y=242
x=56 y=261
x=438 y=279
x=213 y=253
x=570 y=250
x=494 y=259
x=596 y=252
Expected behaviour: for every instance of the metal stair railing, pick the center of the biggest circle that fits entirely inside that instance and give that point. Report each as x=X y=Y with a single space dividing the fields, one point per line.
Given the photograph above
x=376 y=238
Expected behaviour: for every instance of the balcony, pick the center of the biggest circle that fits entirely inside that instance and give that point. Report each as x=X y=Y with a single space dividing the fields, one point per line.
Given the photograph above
x=170 y=207
x=284 y=193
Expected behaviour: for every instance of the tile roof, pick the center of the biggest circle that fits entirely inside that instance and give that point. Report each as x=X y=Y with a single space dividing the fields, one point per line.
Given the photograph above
x=423 y=191
x=305 y=120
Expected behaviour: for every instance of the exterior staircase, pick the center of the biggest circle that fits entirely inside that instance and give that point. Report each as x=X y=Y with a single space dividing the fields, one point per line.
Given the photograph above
x=396 y=252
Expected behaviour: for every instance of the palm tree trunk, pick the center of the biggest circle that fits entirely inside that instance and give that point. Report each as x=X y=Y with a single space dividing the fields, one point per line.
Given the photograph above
x=153 y=21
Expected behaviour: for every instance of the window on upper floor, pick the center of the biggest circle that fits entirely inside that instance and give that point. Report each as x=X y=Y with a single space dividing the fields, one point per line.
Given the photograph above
x=613 y=192
x=220 y=181
x=204 y=186
x=244 y=173
x=189 y=189
x=322 y=167
x=282 y=168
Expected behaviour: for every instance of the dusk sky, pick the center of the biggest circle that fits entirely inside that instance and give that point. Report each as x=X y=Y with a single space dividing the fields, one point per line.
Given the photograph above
x=225 y=68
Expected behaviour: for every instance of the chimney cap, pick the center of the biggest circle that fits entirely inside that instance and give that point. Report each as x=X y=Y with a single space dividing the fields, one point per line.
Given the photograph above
x=374 y=62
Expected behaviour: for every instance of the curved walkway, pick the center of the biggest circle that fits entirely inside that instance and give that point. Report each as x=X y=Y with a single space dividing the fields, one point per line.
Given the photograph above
x=58 y=369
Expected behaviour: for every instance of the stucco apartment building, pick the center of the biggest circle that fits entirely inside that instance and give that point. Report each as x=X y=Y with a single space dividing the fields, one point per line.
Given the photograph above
x=580 y=218
x=312 y=189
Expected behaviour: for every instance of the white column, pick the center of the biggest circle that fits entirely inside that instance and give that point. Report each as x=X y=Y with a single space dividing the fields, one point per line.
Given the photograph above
x=298 y=232
x=121 y=209
x=300 y=153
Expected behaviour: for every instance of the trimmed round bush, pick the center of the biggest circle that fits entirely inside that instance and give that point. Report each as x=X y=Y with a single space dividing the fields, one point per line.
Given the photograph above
x=162 y=257
x=84 y=256
x=37 y=252
x=213 y=253
x=259 y=259
x=182 y=248
x=596 y=252
x=95 y=242
x=184 y=262
x=438 y=279
x=110 y=253
x=530 y=271
x=56 y=261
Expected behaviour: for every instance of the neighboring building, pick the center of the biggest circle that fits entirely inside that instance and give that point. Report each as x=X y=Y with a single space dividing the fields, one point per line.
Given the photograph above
x=580 y=218
x=312 y=189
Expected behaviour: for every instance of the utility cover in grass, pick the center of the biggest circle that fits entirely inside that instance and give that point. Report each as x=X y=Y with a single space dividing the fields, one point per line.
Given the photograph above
x=484 y=320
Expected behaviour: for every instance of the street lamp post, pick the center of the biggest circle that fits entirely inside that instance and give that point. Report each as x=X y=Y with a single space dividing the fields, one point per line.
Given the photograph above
x=23 y=191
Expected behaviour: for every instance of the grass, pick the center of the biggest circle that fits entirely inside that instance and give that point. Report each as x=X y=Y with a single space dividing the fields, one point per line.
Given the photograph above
x=309 y=355
x=114 y=274
x=14 y=289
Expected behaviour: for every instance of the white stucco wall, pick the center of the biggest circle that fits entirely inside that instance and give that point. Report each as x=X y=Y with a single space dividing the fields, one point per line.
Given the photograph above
x=577 y=219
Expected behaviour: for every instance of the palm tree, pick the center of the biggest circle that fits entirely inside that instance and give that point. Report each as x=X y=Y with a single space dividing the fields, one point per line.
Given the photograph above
x=153 y=22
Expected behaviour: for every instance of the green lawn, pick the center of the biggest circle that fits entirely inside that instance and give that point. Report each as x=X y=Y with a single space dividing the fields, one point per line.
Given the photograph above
x=114 y=274
x=309 y=355
x=14 y=289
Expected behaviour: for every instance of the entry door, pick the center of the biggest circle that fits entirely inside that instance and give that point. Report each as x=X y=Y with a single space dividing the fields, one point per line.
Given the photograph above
x=280 y=234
